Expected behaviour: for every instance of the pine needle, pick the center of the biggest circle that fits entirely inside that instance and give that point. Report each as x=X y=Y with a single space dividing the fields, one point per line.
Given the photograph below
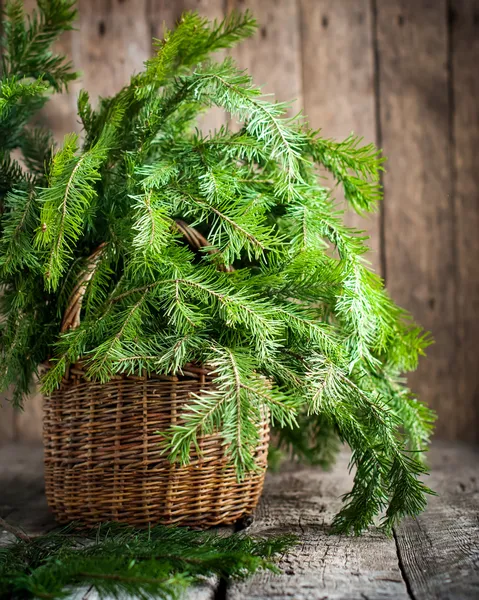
x=115 y=560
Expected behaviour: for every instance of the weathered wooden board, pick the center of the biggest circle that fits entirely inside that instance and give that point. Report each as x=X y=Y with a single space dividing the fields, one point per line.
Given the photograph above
x=303 y=501
x=22 y=490
x=113 y=44
x=273 y=55
x=338 y=80
x=433 y=557
x=439 y=551
x=162 y=13
x=464 y=48
x=418 y=211
x=29 y=419
x=7 y=421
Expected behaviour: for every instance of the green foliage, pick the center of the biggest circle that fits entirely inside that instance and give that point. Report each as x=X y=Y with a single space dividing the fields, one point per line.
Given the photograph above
x=27 y=41
x=29 y=72
x=116 y=560
x=65 y=203
x=281 y=304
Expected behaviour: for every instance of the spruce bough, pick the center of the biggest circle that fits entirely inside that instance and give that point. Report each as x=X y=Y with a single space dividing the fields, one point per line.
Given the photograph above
x=118 y=561
x=282 y=305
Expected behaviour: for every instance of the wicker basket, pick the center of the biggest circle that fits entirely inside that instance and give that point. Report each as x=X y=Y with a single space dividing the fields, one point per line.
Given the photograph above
x=103 y=459
x=103 y=454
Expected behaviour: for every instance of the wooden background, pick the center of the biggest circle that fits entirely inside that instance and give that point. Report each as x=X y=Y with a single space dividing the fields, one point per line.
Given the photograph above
x=401 y=73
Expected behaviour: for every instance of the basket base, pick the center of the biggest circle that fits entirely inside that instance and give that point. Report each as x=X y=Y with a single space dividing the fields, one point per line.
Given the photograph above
x=197 y=498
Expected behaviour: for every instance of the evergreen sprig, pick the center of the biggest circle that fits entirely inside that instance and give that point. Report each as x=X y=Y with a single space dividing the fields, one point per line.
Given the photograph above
x=29 y=73
x=281 y=304
x=27 y=41
x=117 y=560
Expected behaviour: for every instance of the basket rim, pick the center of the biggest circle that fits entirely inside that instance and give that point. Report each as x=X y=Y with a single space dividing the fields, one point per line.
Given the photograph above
x=188 y=372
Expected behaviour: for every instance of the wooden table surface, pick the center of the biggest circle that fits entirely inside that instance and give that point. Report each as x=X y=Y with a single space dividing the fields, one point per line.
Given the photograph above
x=433 y=557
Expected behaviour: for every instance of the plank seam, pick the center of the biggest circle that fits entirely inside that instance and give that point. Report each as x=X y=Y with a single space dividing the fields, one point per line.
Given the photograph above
x=300 y=24
x=402 y=568
x=451 y=101
x=379 y=133
x=221 y=590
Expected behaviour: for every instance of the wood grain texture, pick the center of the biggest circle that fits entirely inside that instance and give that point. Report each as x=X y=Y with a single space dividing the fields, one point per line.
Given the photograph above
x=464 y=50
x=273 y=55
x=7 y=420
x=418 y=217
x=439 y=551
x=22 y=496
x=165 y=13
x=303 y=501
x=338 y=79
x=113 y=44
x=29 y=420
x=433 y=557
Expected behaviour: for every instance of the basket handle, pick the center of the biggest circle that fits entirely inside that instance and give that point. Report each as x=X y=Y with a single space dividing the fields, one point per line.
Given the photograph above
x=71 y=317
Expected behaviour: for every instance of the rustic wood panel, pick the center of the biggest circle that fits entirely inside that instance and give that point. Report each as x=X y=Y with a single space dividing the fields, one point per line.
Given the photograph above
x=22 y=500
x=418 y=217
x=433 y=557
x=29 y=419
x=162 y=13
x=338 y=78
x=439 y=551
x=399 y=68
x=303 y=501
x=273 y=55
x=113 y=44
x=7 y=421
x=464 y=56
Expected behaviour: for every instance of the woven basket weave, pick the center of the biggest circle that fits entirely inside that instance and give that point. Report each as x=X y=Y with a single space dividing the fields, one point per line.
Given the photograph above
x=103 y=454
x=103 y=459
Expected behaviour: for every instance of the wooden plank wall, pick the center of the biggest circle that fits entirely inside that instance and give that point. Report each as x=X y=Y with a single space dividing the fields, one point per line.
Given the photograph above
x=401 y=73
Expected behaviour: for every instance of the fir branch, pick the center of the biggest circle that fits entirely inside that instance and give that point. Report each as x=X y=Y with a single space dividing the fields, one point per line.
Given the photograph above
x=192 y=41
x=37 y=147
x=231 y=89
x=19 y=101
x=115 y=560
x=18 y=223
x=27 y=41
x=18 y=533
x=64 y=203
x=235 y=408
x=356 y=167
